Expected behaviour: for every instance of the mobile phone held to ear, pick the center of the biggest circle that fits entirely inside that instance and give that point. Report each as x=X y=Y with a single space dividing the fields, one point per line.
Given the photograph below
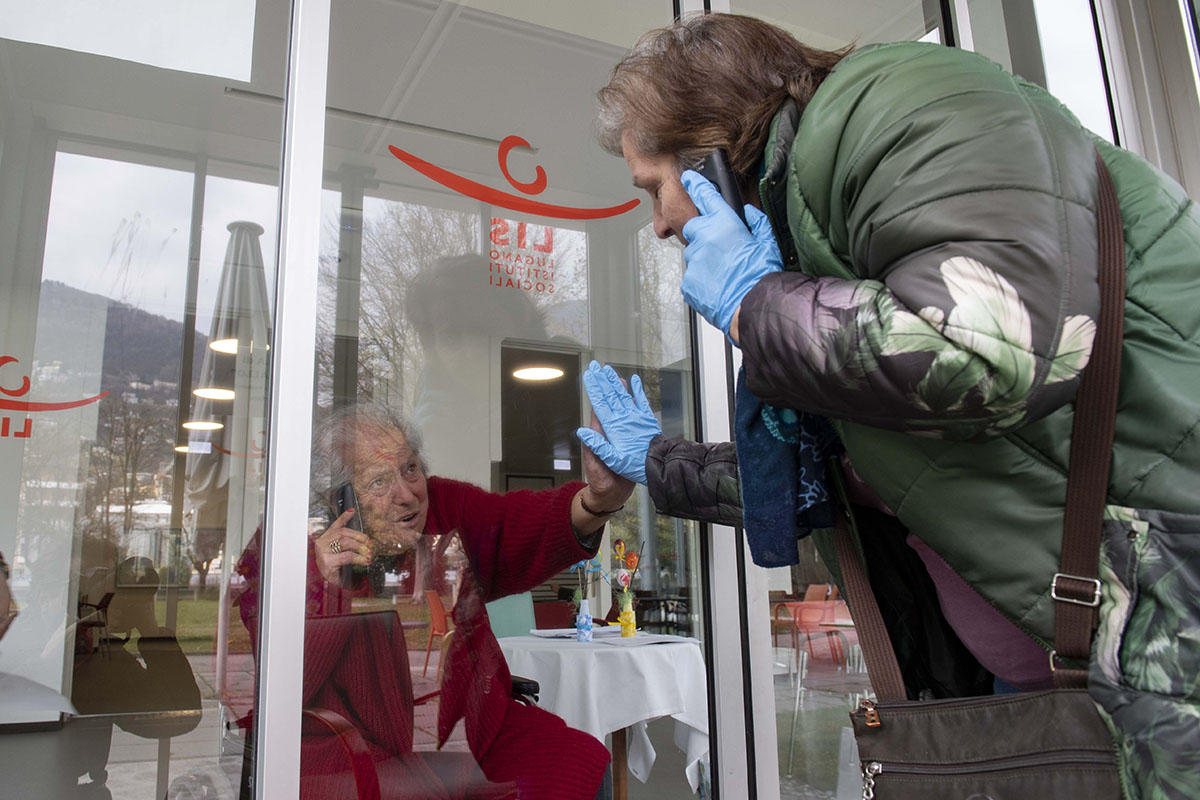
x=716 y=168
x=345 y=499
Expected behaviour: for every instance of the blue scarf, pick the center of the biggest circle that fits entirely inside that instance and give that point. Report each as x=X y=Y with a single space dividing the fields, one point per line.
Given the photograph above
x=781 y=465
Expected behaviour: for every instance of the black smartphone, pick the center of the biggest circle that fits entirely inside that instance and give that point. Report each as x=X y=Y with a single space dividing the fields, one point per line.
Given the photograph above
x=716 y=168
x=344 y=498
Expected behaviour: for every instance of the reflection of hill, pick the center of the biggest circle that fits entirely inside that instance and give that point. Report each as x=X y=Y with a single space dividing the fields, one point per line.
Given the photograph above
x=138 y=346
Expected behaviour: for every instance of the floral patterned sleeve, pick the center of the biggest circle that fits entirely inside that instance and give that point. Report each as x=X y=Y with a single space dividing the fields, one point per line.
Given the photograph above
x=851 y=349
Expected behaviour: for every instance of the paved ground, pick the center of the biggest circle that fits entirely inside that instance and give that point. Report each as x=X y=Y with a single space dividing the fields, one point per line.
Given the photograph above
x=207 y=762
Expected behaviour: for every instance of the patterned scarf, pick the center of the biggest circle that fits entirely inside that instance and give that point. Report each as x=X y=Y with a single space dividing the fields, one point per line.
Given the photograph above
x=781 y=465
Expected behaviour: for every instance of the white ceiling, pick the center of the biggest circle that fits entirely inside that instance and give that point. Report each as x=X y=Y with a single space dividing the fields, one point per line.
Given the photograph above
x=449 y=68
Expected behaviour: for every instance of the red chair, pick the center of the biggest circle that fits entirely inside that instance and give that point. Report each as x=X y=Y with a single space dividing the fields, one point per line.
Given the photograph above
x=553 y=614
x=358 y=732
x=439 y=623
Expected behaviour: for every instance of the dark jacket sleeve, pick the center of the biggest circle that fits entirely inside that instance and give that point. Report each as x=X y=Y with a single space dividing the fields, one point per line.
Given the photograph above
x=694 y=480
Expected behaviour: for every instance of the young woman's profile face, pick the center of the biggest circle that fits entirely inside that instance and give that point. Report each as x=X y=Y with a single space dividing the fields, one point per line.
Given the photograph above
x=659 y=177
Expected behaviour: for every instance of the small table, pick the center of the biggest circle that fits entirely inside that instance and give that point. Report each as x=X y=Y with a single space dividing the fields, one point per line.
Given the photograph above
x=602 y=688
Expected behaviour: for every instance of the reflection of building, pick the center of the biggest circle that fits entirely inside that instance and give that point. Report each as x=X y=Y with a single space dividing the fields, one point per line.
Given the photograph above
x=149 y=532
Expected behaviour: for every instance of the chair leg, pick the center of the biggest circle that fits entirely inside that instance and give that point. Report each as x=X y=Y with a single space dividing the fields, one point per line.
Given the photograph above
x=835 y=648
x=801 y=673
x=428 y=648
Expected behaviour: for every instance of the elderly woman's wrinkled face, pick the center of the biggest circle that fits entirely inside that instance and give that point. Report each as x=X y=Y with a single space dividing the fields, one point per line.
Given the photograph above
x=393 y=496
x=659 y=177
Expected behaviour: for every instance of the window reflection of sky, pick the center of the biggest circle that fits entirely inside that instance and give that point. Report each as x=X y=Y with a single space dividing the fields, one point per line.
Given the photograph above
x=208 y=37
x=1072 y=62
x=121 y=230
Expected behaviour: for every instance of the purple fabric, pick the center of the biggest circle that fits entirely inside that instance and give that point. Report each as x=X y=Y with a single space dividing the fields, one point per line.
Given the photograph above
x=1000 y=646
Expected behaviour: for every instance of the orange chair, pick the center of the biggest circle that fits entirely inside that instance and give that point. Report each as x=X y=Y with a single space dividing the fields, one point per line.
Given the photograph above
x=814 y=616
x=439 y=623
x=820 y=591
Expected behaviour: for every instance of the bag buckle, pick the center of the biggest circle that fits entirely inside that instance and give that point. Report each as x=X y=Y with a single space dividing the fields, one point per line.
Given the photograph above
x=1094 y=582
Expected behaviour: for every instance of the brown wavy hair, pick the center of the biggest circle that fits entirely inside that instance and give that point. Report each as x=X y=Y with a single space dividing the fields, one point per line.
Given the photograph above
x=709 y=80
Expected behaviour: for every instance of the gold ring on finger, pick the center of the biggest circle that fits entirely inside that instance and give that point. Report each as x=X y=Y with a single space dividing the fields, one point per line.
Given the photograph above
x=335 y=546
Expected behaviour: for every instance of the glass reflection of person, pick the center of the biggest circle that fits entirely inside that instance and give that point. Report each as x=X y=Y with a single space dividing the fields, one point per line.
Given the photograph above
x=512 y=542
x=128 y=676
x=141 y=671
x=456 y=315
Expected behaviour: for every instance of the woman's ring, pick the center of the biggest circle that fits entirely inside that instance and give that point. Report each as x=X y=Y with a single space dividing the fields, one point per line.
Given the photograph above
x=335 y=546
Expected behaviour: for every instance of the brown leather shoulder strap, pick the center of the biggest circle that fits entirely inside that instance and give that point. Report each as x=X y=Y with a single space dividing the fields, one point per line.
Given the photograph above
x=1076 y=587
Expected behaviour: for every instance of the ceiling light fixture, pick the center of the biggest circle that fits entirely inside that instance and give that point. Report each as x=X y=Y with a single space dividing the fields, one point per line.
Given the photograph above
x=203 y=425
x=537 y=373
x=213 y=393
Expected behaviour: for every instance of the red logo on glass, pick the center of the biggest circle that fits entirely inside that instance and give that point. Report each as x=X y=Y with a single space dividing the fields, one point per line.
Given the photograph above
x=27 y=406
x=513 y=202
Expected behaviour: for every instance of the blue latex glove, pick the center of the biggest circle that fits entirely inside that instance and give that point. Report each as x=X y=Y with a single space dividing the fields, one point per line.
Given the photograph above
x=628 y=422
x=724 y=260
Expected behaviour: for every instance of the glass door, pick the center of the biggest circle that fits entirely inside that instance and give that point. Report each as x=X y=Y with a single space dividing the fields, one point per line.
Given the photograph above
x=478 y=251
x=806 y=667
x=139 y=174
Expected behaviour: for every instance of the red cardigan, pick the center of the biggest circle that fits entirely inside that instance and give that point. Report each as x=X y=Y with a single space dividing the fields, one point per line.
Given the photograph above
x=514 y=542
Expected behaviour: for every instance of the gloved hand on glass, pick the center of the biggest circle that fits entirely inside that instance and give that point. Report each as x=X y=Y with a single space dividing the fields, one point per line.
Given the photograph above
x=724 y=260
x=628 y=422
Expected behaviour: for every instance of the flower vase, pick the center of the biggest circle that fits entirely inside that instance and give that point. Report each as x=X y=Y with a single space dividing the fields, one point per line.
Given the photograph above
x=626 y=618
x=583 y=622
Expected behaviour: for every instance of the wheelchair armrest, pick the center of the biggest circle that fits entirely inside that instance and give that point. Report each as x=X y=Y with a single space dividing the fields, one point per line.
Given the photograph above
x=525 y=688
x=366 y=780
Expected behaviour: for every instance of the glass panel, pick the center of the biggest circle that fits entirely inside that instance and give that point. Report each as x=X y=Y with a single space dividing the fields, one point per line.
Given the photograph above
x=139 y=164
x=830 y=26
x=1051 y=43
x=473 y=230
x=1191 y=25
x=818 y=670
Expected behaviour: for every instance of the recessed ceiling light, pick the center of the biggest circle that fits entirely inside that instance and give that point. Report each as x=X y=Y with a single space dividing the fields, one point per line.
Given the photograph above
x=224 y=346
x=537 y=373
x=203 y=425
x=213 y=393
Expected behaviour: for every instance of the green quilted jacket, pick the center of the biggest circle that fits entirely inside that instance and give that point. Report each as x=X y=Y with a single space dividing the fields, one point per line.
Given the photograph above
x=937 y=221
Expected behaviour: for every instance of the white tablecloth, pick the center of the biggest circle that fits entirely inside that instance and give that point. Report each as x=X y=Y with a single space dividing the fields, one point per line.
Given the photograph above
x=600 y=688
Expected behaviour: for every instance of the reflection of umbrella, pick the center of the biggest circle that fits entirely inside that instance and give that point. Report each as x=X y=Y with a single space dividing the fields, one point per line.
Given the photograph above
x=225 y=466
x=223 y=483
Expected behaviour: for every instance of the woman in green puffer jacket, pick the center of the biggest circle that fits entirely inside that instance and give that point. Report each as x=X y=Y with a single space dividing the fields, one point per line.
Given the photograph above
x=921 y=270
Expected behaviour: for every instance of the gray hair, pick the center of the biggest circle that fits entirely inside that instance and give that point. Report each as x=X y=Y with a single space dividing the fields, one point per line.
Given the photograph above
x=335 y=439
x=708 y=80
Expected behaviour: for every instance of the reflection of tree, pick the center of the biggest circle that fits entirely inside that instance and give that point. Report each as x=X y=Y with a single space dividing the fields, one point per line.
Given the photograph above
x=664 y=344
x=398 y=243
x=44 y=486
x=200 y=547
x=132 y=439
x=664 y=316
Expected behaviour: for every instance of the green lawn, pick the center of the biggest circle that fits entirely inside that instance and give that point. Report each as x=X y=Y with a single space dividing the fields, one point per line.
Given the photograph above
x=196 y=622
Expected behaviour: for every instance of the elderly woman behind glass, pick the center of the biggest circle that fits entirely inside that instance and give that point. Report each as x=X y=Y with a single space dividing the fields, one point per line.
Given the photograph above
x=509 y=543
